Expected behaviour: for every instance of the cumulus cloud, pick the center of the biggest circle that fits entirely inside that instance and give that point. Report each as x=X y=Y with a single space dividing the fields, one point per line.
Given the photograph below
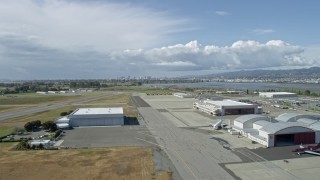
x=25 y=58
x=263 y=31
x=49 y=39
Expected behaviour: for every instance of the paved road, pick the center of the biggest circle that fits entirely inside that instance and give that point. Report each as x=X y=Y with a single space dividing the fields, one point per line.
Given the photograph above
x=45 y=107
x=194 y=154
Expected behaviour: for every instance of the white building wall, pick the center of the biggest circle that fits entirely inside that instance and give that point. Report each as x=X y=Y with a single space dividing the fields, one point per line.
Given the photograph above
x=317 y=134
x=270 y=140
x=97 y=122
x=238 y=124
x=256 y=126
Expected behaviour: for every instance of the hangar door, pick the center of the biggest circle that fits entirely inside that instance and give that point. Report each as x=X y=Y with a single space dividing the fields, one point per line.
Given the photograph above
x=239 y=111
x=294 y=139
x=97 y=122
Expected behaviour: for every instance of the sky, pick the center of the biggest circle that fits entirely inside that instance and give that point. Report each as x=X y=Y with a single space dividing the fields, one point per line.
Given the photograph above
x=102 y=39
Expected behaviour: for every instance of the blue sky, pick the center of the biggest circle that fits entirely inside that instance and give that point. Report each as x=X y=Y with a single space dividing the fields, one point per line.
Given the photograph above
x=108 y=39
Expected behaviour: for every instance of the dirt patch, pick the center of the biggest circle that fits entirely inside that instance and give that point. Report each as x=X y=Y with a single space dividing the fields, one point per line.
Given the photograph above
x=98 y=163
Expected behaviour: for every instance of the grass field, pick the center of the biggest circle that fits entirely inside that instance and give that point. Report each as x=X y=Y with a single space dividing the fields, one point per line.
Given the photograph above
x=129 y=110
x=101 y=163
x=4 y=130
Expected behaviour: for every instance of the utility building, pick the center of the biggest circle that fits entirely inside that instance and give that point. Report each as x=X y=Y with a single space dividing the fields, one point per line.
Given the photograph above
x=225 y=107
x=277 y=94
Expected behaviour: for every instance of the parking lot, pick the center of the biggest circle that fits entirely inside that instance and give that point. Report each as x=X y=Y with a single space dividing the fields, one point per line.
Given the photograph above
x=107 y=137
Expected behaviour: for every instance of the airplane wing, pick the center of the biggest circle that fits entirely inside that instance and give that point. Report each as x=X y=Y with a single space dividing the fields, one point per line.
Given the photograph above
x=312 y=152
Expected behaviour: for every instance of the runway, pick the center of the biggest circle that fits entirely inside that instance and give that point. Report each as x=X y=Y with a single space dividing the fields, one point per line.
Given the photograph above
x=194 y=154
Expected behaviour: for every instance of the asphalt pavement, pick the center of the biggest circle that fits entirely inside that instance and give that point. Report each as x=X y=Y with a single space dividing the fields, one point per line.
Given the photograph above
x=194 y=154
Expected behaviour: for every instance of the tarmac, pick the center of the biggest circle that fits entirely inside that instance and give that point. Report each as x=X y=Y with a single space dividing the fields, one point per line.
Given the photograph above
x=200 y=152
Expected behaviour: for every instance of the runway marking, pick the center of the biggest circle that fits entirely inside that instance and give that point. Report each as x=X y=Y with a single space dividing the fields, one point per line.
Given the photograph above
x=177 y=155
x=189 y=168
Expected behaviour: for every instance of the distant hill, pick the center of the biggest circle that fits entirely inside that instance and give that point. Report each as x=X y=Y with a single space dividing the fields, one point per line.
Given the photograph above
x=313 y=72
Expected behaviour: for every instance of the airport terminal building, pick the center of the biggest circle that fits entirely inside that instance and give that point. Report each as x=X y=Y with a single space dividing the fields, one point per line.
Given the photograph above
x=92 y=117
x=225 y=107
x=286 y=129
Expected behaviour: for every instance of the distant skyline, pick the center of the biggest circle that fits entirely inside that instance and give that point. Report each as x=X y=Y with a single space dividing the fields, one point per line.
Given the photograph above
x=86 y=39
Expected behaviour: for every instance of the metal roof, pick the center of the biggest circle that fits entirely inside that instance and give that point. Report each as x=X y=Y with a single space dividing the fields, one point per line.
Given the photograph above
x=245 y=118
x=95 y=111
x=226 y=102
x=293 y=117
x=315 y=126
x=272 y=128
x=285 y=117
x=307 y=121
x=262 y=122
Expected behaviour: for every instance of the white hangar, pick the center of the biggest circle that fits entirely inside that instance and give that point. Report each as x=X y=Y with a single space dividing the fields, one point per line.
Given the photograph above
x=286 y=129
x=92 y=117
x=226 y=107
x=277 y=94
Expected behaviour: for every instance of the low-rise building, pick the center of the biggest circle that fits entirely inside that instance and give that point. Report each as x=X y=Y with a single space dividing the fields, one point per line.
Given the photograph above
x=226 y=107
x=277 y=94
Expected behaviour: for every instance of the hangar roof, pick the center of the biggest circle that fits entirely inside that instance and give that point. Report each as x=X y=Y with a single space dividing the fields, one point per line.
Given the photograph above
x=227 y=102
x=95 y=111
x=307 y=121
x=315 y=126
x=286 y=117
x=245 y=118
x=262 y=122
x=272 y=128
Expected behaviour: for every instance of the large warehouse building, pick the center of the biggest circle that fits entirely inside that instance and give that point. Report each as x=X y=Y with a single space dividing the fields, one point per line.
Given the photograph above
x=92 y=117
x=286 y=129
x=277 y=94
x=225 y=107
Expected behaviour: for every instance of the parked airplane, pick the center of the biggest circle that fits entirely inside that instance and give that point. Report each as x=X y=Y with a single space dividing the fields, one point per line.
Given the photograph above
x=308 y=150
x=218 y=125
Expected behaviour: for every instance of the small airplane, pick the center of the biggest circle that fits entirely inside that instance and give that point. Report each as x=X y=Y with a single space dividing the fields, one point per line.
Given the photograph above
x=308 y=150
x=218 y=125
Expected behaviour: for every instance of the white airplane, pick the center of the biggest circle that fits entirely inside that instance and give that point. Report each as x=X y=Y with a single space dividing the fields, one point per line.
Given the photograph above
x=217 y=125
x=308 y=150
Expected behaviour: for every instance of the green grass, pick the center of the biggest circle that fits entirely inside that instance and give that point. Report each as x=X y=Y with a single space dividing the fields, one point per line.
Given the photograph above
x=4 y=131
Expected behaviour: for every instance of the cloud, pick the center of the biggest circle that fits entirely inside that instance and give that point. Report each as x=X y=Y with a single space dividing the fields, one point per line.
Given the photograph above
x=83 y=39
x=222 y=13
x=99 y=25
x=262 y=31
x=25 y=58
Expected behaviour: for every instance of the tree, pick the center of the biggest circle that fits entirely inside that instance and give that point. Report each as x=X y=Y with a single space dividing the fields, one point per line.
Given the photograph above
x=28 y=126
x=36 y=123
x=63 y=113
x=307 y=92
x=49 y=125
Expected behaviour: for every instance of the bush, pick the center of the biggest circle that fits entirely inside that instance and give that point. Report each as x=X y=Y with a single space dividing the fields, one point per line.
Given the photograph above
x=63 y=113
x=23 y=145
x=57 y=133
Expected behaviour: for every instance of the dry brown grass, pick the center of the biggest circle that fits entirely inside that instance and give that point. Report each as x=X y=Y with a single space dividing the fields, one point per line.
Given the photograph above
x=100 y=163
